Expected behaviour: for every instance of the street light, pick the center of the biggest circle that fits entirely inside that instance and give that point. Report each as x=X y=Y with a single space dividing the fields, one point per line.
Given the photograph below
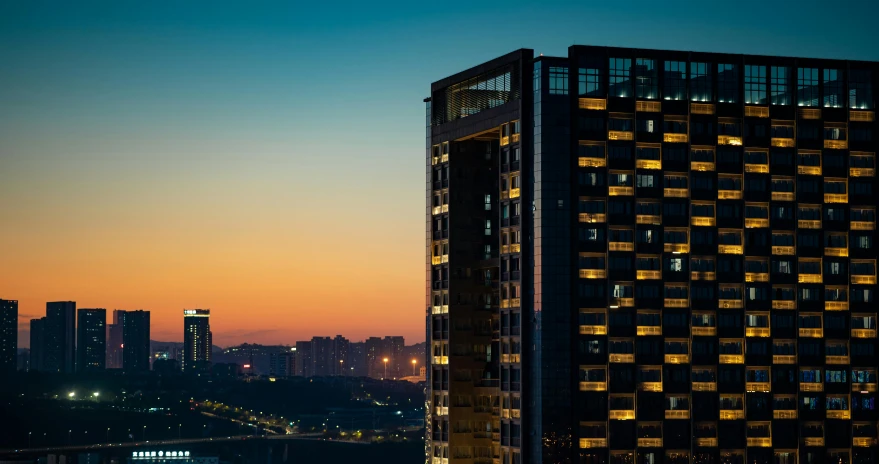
x=108 y=434
x=96 y=394
x=386 y=367
x=71 y=395
x=68 y=436
x=144 y=433
x=342 y=367
x=29 y=439
x=414 y=362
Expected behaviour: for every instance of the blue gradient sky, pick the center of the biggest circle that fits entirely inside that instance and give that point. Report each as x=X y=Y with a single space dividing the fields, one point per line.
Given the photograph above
x=265 y=159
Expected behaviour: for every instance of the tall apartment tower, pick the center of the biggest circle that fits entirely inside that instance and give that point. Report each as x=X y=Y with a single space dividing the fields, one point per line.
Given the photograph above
x=114 y=340
x=8 y=336
x=136 y=341
x=37 y=344
x=59 y=337
x=652 y=256
x=196 y=339
x=91 y=340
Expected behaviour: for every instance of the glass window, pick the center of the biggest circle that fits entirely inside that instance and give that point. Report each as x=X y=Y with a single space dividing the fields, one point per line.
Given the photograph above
x=700 y=82
x=589 y=83
x=675 y=80
x=833 y=89
x=646 y=82
x=620 y=77
x=727 y=83
x=558 y=80
x=860 y=90
x=807 y=86
x=780 y=85
x=755 y=85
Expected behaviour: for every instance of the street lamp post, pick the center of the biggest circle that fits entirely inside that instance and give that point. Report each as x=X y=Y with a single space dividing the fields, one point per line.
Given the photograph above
x=179 y=436
x=68 y=436
x=108 y=434
x=342 y=367
x=386 y=367
x=144 y=433
x=29 y=439
x=414 y=362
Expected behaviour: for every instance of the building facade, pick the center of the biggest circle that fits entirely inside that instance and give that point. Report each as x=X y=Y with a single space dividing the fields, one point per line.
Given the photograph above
x=136 y=341
x=652 y=256
x=114 y=340
x=8 y=335
x=91 y=340
x=37 y=341
x=59 y=337
x=197 y=339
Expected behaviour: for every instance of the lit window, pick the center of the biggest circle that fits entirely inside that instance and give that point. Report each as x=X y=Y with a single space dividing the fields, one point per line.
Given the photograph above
x=620 y=77
x=700 y=82
x=807 y=86
x=755 y=85
x=558 y=81
x=780 y=85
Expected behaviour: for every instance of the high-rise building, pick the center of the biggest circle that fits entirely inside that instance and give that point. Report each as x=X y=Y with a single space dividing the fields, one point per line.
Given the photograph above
x=374 y=351
x=37 y=344
x=392 y=350
x=283 y=364
x=322 y=356
x=652 y=256
x=197 y=341
x=304 y=363
x=339 y=362
x=59 y=337
x=8 y=335
x=91 y=340
x=357 y=359
x=114 y=340
x=136 y=341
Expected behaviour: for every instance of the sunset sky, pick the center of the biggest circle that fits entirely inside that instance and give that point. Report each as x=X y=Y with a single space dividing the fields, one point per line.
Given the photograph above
x=266 y=159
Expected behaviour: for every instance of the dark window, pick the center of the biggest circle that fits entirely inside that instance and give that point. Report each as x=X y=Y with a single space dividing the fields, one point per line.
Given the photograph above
x=593 y=124
x=807 y=87
x=646 y=82
x=620 y=153
x=860 y=90
x=781 y=157
x=700 y=82
x=727 y=83
x=780 y=85
x=675 y=80
x=589 y=83
x=755 y=85
x=675 y=154
x=833 y=89
x=558 y=80
x=861 y=134
x=620 y=77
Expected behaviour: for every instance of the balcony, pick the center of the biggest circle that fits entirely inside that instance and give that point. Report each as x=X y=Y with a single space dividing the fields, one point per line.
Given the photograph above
x=442 y=411
x=757 y=168
x=434 y=260
x=440 y=360
x=444 y=309
x=514 y=302
x=706 y=442
x=515 y=248
x=730 y=249
x=758 y=386
x=784 y=250
x=811 y=333
x=593 y=274
x=811 y=386
x=676 y=303
x=598 y=104
x=757 y=111
x=593 y=330
x=810 y=278
x=677 y=359
x=701 y=108
x=626 y=358
x=702 y=275
x=514 y=138
x=729 y=140
x=729 y=194
x=760 y=442
x=505 y=303
x=782 y=142
x=593 y=386
x=813 y=170
x=586 y=443
x=837 y=360
x=784 y=304
x=784 y=359
x=784 y=414
x=621 y=414
x=588 y=162
x=839 y=414
x=620 y=135
x=863 y=442
x=862 y=172
x=648 y=106
x=810 y=113
x=648 y=164
x=618 y=191
x=705 y=386
x=703 y=221
x=648 y=275
x=836 y=305
x=621 y=246
x=648 y=219
x=649 y=330
x=864 y=387
x=835 y=198
x=677 y=414
x=676 y=192
x=861 y=116
x=732 y=414
x=702 y=166
x=813 y=441
x=593 y=217
x=505 y=140
x=729 y=304
x=836 y=144
x=514 y=193
x=757 y=331
x=625 y=302
x=674 y=138
x=863 y=333
x=440 y=209
x=863 y=279
x=650 y=386
x=731 y=359
x=783 y=196
x=676 y=247
x=809 y=223
x=756 y=223
x=650 y=442
x=704 y=331
x=756 y=277
x=843 y=252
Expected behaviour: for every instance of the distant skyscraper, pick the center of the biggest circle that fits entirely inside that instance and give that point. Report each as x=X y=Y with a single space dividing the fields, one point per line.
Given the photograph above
x=136 y=341
x=321 y=355
x=37 y=344
x=59 y=337
x=114 y=340
x=304 y=364
x=339 y=356
x=374 y=366
x=91 y=339
x=8 y=335
x=196 y=339
x=357 y=359
x=392 y=349
x=283 y=364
